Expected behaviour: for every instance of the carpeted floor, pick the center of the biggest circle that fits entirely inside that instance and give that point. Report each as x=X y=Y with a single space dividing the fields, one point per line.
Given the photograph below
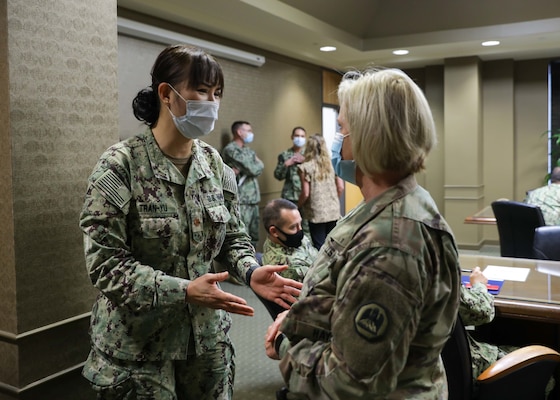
x=257 y=377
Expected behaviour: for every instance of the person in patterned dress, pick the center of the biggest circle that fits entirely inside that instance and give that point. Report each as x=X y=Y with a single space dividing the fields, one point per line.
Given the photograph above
x=320 y=190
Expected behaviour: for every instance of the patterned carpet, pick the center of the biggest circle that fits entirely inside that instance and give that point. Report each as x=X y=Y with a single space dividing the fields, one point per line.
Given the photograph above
x=257 y=377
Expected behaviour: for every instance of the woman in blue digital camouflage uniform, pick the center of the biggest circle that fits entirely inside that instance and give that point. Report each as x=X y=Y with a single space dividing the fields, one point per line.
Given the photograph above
x=159 y=209
x=380 y=301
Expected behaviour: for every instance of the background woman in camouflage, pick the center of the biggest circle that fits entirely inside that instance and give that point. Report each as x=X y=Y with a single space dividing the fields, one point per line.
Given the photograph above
x=380 y=301
x=287 y=169
x=159 y=208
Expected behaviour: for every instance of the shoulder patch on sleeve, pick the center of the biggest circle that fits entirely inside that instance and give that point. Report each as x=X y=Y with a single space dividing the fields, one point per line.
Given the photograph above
x=230 y=184
x=113 y=188
x=371 y=321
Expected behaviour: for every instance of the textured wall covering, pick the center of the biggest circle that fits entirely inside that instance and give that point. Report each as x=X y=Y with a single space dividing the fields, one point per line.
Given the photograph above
x=7 y=269
x=63 y=114
x=61 y=59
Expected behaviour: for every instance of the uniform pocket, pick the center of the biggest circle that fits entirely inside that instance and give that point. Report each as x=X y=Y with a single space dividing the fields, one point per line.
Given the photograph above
x=218 y=214
x=103 y=374
x=159 y=227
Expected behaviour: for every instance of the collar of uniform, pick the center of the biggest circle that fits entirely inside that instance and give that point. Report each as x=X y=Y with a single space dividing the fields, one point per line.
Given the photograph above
x=365 y=212
x=200 y=168
x=278 y=246
x=394 y=193
x=425 y=209
x=164 y=169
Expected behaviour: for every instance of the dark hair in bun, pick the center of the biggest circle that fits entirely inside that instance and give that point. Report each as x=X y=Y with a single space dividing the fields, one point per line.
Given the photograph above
x=175 y=65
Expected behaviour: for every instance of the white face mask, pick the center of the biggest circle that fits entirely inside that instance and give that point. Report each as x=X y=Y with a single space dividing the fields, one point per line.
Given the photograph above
x=299 y=141
x=199 y=118
x=249 y=138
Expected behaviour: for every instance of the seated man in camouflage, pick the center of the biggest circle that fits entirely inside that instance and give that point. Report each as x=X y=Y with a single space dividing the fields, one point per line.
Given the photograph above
x=285 y=244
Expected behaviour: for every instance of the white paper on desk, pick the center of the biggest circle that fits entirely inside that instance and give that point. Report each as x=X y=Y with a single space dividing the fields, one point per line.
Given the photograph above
x=496 y=272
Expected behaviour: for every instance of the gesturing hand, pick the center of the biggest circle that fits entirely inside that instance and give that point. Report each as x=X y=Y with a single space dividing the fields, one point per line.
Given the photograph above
x=266 y=282
x=271 y=333
x=204 y=291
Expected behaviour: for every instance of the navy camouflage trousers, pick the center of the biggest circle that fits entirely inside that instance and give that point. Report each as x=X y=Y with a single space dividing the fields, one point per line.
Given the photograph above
x=208 y=377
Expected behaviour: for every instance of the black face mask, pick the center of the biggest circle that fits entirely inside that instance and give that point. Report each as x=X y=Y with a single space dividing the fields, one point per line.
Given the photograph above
x=292 y=240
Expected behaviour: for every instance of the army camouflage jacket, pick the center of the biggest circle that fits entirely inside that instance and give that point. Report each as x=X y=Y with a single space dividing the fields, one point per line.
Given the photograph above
x=298 y=259
x=148 y=231
x=290 y=176
x=378 y=304
x=250 y=167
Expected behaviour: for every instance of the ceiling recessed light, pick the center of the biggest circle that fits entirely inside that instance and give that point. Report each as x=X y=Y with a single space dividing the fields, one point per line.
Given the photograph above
x=328 y=48
x=400 y=52
x=491 y=43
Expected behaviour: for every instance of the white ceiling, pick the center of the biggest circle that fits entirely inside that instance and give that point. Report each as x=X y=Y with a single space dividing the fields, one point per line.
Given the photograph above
x=366 y=32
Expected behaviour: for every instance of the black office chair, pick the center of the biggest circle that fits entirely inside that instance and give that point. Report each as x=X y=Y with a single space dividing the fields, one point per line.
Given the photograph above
x=521 y=374
x=546 y=245
x=516 y=227
x=456 y=358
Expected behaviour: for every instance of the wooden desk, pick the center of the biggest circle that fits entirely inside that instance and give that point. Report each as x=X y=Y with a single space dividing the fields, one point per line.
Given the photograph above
x=526 y=312
x=482 y=217
x=536 y=299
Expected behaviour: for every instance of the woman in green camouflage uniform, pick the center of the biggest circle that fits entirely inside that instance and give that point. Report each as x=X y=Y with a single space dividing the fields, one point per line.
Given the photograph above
x=159 y=209
x=380 y=301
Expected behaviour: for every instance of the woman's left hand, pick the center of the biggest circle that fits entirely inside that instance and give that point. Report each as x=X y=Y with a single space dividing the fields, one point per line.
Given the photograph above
x=204 y=291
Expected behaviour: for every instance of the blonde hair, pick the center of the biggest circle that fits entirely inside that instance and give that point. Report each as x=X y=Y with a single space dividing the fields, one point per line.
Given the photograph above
x=389 y=119
x=316 y=149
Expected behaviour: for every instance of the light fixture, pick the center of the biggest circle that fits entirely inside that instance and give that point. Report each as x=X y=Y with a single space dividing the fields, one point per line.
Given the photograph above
x=491 y=43
x=158 y=35
x=328 y=48
x=401 y=52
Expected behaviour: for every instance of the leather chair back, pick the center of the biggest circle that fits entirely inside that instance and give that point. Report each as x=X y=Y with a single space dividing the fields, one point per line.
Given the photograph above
x=456 y=356
x=516 y=223
x=546 y=245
